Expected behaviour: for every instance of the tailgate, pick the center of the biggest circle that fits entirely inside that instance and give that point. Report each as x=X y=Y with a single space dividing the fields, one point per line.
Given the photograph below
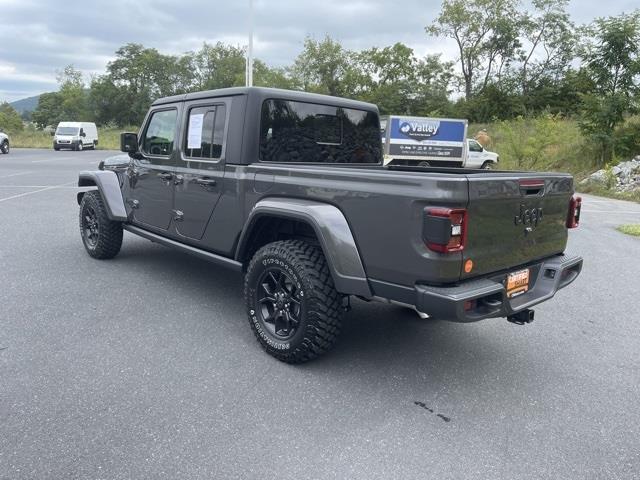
x=515 y=218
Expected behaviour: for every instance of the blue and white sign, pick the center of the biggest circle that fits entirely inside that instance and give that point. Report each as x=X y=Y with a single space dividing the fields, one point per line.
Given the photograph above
x=427 y=138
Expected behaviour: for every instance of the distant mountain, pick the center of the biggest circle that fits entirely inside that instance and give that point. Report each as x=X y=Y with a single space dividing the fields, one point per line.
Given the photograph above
x=26 y=104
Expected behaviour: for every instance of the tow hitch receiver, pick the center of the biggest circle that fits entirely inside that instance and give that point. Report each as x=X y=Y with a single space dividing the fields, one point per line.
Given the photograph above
x=522 y=317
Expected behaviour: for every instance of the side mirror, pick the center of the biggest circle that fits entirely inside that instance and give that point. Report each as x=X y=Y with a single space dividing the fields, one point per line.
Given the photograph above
x=129 y=142
x=82 y=134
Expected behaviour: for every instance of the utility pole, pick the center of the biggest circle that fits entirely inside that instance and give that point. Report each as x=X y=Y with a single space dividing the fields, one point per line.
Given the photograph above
x=249 y=69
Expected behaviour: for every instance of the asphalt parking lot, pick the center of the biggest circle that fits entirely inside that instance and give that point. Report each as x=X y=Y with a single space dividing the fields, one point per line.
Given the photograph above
x=145 y=367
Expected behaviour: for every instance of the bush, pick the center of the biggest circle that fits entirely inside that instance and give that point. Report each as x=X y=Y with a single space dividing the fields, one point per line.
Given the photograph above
x=626 y=139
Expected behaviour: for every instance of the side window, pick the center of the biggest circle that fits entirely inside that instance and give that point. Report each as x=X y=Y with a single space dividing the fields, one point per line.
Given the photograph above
x=475 y=146
x=205 y=132
x=160 y=133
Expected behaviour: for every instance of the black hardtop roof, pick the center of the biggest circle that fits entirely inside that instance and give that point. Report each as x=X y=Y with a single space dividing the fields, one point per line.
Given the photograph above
x=263 y=93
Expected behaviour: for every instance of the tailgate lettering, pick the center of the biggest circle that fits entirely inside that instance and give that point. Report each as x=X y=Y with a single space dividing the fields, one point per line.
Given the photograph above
x=528 y=216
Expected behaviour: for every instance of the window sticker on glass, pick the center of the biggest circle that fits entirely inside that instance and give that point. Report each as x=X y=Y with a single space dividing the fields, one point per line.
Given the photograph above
x=194 y=139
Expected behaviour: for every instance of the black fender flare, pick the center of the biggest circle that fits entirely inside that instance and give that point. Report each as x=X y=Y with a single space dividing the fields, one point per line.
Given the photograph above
x=108 y=185
x=332 y=231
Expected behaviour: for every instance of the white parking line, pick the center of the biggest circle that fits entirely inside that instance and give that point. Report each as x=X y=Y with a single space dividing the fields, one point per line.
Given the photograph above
x=51 y=160
x=37 y=186
x=14 y=174
x=35 y=191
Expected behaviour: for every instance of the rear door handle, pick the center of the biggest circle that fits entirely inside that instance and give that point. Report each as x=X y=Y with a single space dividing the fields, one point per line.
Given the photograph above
x=206 y=182
x=165 y=175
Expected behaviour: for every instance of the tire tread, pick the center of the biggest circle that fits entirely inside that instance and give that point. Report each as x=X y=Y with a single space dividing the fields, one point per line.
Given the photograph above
x=324 y=307
x=110 y=233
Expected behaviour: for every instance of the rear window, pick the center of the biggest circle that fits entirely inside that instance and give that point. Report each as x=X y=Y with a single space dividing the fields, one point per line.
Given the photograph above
x=312 y=133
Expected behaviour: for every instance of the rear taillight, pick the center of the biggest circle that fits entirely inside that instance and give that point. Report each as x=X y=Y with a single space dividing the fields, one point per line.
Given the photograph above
x=573 y=218
x=445 y=229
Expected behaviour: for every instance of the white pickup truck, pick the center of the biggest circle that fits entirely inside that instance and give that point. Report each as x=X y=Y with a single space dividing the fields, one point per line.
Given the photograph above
x=479 y=157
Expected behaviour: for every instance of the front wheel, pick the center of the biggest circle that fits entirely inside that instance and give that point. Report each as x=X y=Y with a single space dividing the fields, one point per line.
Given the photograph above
x=102 y=237
x=79 y=147
x=488 y=165
x=4 y=148
x=294 y=309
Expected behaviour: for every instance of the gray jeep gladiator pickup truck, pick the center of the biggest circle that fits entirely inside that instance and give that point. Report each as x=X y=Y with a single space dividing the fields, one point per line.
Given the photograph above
x=289 y=188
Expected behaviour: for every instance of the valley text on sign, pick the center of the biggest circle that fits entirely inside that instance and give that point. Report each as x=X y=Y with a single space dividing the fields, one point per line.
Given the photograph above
x=427 y=138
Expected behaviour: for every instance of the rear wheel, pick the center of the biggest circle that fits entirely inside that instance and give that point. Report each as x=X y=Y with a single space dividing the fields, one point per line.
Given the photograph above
x=294 y=309
x=4 y=148
x=102 y=238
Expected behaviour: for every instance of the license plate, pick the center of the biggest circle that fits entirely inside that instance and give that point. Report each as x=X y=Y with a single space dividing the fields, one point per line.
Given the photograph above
x=518 y=283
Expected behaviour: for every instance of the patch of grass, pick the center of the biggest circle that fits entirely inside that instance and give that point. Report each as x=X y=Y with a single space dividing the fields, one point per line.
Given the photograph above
x=29 y=138
x=109 y=138
x=630 y=229
x=544 y=143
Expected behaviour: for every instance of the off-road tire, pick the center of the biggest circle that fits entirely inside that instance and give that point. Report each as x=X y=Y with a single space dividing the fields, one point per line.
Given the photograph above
x=107 y=240
x=320 y=311
x=4 y=147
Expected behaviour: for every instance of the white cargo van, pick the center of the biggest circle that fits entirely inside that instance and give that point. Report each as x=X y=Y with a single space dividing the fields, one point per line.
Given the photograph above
x=75 y=135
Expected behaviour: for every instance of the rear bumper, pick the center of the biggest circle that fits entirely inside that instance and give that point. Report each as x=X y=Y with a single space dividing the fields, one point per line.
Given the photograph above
x=477 y=299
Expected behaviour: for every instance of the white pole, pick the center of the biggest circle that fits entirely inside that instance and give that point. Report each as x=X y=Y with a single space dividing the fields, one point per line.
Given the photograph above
x=250 y=49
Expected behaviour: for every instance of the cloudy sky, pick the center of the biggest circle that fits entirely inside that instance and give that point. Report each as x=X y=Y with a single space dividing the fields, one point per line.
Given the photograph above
x=38 y=37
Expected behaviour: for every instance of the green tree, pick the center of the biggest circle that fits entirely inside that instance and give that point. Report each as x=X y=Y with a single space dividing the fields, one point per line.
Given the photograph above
x=10 y=120
x=48 y=110
x=109 y=103
x=386 y=77
x=265 y=76
x=613 y=64
x=323 y=67
x=399 y=83
x=69 y=103
x=486 y=33
x=72 y=94
x=434 y=82
x=548 y=46
x=218 y=66
x=137 y=77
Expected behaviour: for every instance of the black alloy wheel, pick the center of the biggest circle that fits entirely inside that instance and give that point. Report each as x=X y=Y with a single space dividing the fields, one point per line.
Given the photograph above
x=90 y=226
x=279 y=303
